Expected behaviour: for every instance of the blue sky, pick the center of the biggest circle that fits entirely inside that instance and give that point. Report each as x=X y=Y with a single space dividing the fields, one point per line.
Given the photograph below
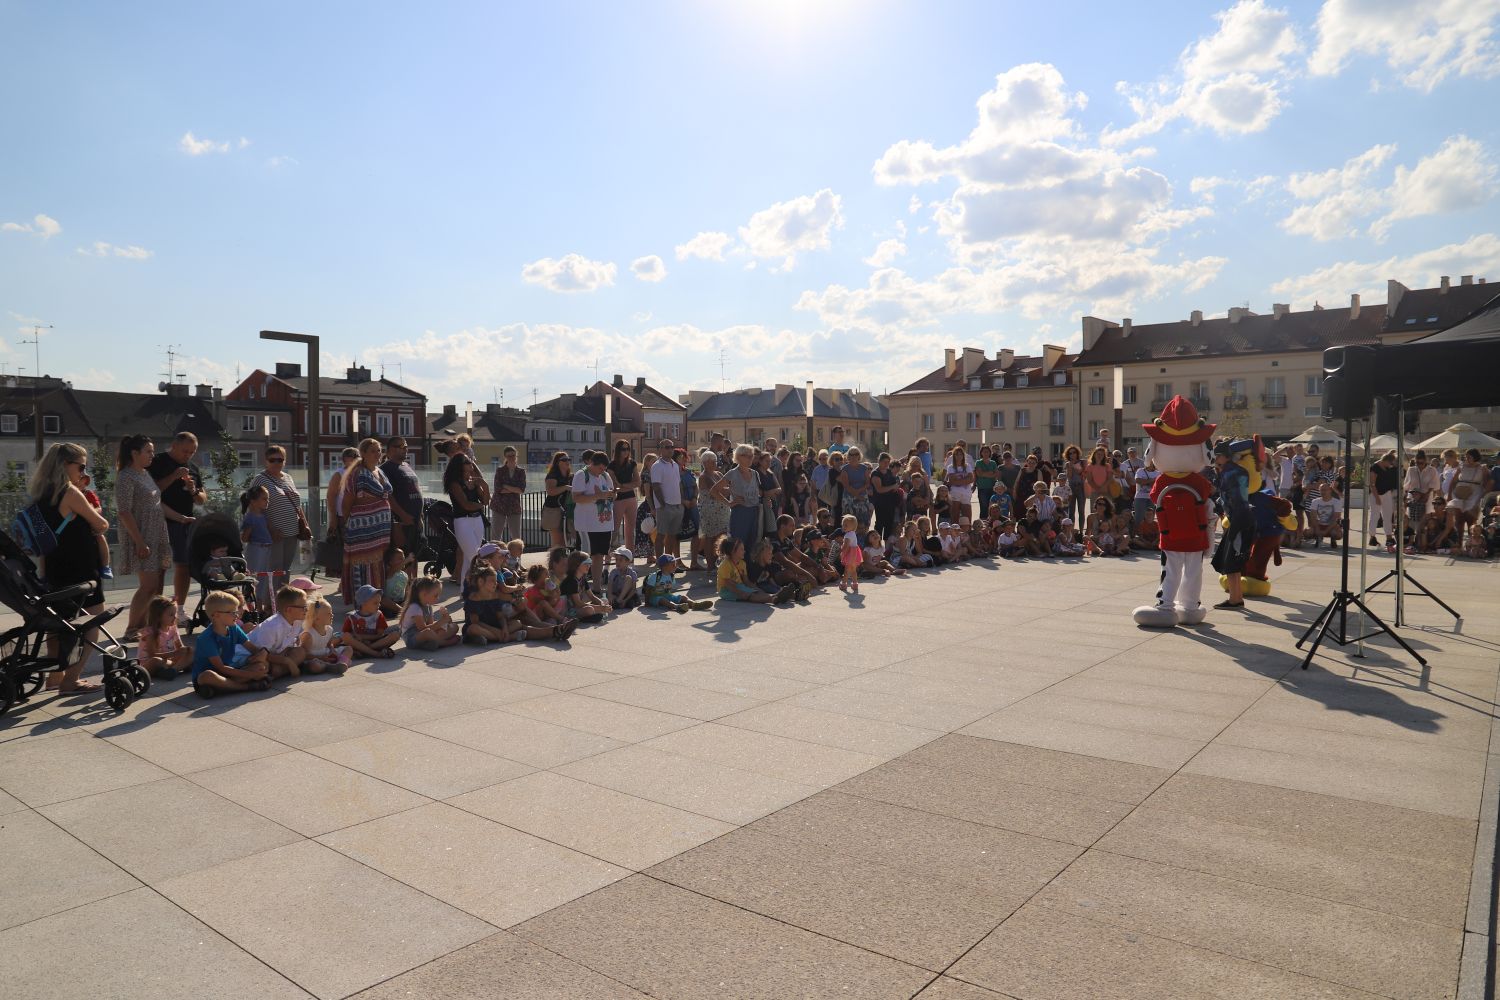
x=500 y=198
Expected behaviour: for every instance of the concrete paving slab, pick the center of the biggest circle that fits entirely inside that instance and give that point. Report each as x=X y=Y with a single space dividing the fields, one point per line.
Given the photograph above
x=1349 y=945
x=516 y=737
x=714 y=676
x=1041 y=954
x=777 y=756
x=134 y=944
x=833 y=729
x=421 y=763
x=729 y=794
x=472 y=688
x=802 y=660
x=934 y=715
x=183 y=744
x=396 y=704
x=296 y=721
x=1216 y=705
x=614 y=719
x=517 y=664
x=676 y=699
x=1375 y=710
x=623 y=829
x=1155 y=719
x=943 y=988
x=502 y=961
x=327 y=923
x=10 y=804
x=69 y=766
x=166 y=828
x=1089 y=776
x=306 y=793
x=667 y=941
x=500 y=875
x=45 y=870
x=1018 y=725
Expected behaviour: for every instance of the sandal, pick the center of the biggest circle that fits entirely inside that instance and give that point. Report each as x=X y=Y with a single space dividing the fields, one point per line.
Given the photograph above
x=82 y=687
x=1230 y=605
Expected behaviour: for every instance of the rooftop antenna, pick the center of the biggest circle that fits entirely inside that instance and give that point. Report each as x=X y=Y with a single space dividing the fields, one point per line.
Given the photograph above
x=533 y=395
x=171 y=374
x=36 y=342
x=723 y=360
x=596 y=368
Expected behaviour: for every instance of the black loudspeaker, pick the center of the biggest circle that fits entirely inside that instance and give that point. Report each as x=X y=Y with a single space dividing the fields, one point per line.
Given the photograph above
x=1385 y=416
x=1349 y=381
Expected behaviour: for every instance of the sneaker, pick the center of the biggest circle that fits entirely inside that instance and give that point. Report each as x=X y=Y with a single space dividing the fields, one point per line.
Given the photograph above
x=107 y=572
x=785 y=595
x=700 y=605
x=805 y=590
x=1374 y=543
x=681 y=607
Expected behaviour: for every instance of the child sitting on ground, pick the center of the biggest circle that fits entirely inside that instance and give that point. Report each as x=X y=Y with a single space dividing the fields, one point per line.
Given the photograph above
x=322 y=647
x=161 y=651
x=280 y=635
x=1476 y=547
x=1067 y=543
x=366 y=631
x=909 y=551
x=542 y=598
x=1326 y=521
x=397 y=580
x=764 y=572
x=660 y=583
x=622 y=581
x=932 y=542
x=1146 y=533
x=484 y=621
x=574 y=586
x=424 y=626
x=949 y=542
x=1027 y=539
x=875 y=563
x=1008 y=542
x=221 y=659
x=734 y=576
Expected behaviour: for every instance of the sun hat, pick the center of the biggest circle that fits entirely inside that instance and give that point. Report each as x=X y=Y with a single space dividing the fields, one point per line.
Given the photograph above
x=487 y=549
x=364 y=593
x=304 y=584
x=665 y=560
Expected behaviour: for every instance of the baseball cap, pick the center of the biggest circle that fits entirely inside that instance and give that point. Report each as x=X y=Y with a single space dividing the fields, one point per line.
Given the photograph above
x=1067 y=522
x=364 y=593
x=487 y=549
x=304 y=584
x=624 y=553
x=665 y=560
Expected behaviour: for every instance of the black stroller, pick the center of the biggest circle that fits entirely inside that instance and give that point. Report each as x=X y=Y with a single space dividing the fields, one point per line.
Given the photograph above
x=24 y=663
x=439 y=543
x=228 y=572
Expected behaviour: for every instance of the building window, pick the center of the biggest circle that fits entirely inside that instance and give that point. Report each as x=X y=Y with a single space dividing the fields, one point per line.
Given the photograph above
x=245 y=458
x=252 y=392
x=383 y=425
x=1199 y=397
x=1234 y=398
x=1023 y=380
x=1129 y=395
x=9 y=423
x=1023 y=420
x=597 y=435
x=275 y=425
x=1312 y=411
x=972 y=421
x=337 y=423
x=1057 y=420
x=51 y=424
x=551 y=434
x=1163 y=393
x=1059 y=378
x=975 y=383
x=570 y=433
x=950 y=421
x=1275 y=396
x=247 y=424
x=997 y=419
x=1094 y=428
x=1096 y=395
x=536 y=434
x=926 y=422
x=820 y=435
x=364 y=425
x=403 y=424
x=1313 y=385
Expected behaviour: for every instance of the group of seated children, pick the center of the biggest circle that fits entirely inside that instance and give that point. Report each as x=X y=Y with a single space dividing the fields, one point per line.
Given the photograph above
x=298 y=638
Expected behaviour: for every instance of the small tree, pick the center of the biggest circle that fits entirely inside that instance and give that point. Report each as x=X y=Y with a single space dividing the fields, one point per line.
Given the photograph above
x=225 y=462
x=102 y=470
x=13 y=481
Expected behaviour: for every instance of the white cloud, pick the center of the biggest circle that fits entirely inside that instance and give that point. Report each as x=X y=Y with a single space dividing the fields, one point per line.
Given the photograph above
x=1423 y=41
x=1229 y=81
x=243 y=142
x=650 y=268
x=572 y=273
x=102 y=249
x=709 y=246
x=886 y=252
x=1333 y=284
x=42 y=225
x=193 y=146
x=1459 y=175
x=914 y=205
x=278 y=162
x=788 y=228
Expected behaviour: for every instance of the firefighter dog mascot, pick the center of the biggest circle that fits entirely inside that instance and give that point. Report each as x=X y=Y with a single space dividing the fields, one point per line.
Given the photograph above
x=1179 y=449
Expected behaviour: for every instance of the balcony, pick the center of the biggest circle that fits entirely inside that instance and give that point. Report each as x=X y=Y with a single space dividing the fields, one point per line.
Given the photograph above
x=1200 y=403
x=1057 y=430
x=1273 y=400
x=1236 y=403
x=1160 y=402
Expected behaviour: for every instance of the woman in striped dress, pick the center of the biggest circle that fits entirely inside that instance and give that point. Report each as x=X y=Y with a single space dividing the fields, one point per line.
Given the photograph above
x=367 y=522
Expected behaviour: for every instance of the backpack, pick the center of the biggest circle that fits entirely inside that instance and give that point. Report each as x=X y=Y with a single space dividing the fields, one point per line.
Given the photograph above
x=32 y=532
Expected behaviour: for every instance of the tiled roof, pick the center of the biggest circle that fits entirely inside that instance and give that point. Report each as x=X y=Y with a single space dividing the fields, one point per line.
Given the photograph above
x=58 y=399
x=157 y=415
x=487 y=427
x=376 y=388
x=742 y=405
x=1423 y=309
x=992 y=375
x=1309 y=330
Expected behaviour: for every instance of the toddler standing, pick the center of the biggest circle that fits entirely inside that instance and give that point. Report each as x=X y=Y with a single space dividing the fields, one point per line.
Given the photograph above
x=255 y=534
x=851 y=553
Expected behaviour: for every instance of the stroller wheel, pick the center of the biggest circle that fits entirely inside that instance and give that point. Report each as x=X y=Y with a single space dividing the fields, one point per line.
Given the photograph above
x=136 y=675
x=433 y=569
x=118 y=693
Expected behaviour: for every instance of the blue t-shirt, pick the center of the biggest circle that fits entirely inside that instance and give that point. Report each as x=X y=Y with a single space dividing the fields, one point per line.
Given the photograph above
x=210 y=643
x=260 y=531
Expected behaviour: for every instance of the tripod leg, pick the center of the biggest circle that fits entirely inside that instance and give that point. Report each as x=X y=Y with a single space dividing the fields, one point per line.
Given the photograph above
x=1387 y=630
x=1427 y=593
x=1374 y=588
x=1326 y=620
x=1325 y=614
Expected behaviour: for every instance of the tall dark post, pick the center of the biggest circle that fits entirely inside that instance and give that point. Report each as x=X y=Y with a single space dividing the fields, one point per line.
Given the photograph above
x=314 y=430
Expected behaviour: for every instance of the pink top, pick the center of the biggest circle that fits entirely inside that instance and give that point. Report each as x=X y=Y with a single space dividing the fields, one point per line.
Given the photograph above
x=161 y=641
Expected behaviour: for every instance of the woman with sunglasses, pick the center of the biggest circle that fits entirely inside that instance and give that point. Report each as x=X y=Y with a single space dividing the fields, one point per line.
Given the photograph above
x=57 y=488
x=143 y=526
x=627 y=480
x=285 y=516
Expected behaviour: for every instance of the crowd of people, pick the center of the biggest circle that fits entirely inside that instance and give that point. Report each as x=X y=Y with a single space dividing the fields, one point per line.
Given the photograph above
x=765 y=524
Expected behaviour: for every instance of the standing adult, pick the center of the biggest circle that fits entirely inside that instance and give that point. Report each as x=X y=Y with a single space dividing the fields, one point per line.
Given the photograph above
x=367 y=522
x=1072 y=468
x=467 y=492
x=594 y=512
x=1026 y=481
x=1140 y=509
x=333 y=496
x=770 y=494
x=181 y=485
x=1465 y=490
x=57 y=488
x=505 y=498
x=1421 y=483
x=666 y=490
x=958 y=476
x=984 y=478
x=1385 y=480
x=791 y=472
x=285 y=517
x=559 y=486
x=777 y=465
x=744 y=496
x=886 y=495
x=627 y=477
x=837 y=437
x=1009 y=471
x=924 y=455
x=1096 y=475
x=713 y=508
x=406 y=497
x=1131 y=464
x=147 y=552
x=855 y=483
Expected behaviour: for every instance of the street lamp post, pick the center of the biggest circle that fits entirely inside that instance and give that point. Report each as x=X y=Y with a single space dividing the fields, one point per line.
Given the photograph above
x=314 y=418
x=1119 y=406
x=809 y=409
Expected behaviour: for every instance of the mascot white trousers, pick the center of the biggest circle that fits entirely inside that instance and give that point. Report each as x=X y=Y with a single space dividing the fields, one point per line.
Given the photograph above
x=1178 y=600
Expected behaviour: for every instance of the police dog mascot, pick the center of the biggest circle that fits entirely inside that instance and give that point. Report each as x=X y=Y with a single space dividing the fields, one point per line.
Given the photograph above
x=1180 y=494
x=1272 y=515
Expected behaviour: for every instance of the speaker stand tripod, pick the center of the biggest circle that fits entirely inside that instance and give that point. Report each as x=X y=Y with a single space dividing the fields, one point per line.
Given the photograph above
x=1338 y=608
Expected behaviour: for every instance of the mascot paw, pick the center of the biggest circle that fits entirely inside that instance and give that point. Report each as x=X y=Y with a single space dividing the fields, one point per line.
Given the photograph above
x=1253 y=587
x=1156 y=616
x=1191 y=616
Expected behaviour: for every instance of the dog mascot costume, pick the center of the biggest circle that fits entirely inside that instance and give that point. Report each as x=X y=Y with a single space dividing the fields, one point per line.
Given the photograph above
x=1272 y=516
x=1180 y=494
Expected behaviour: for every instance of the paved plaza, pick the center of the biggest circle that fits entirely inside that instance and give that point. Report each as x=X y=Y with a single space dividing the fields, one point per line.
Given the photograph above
x=984 y=782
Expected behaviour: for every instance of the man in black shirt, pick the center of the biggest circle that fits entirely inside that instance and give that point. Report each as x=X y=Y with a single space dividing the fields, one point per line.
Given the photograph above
x=1387 y=480
x=181 y=485
x=406 y=497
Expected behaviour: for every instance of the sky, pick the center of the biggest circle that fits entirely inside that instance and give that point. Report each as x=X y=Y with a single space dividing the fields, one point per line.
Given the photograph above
x=490 y=201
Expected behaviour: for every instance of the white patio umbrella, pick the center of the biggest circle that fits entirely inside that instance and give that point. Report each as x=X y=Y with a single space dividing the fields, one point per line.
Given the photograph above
x=1382 y=443
x=1324 y=437
x=1462 y=437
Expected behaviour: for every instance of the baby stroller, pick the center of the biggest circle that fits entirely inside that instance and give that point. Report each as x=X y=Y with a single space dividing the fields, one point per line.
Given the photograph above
x=228 y=572
x=439 y=543
x=24 y=663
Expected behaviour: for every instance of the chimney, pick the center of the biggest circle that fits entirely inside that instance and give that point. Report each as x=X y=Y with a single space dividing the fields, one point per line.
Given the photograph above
x=492 y=409
x=1237 y=313
x=863 y=399
x=1006 y=357
x=1354 y=306
x=450 y=411
x=950 y=362
x=204 y=391
x=288 y=369
x=973 y=357
x=1197 y=316
x=1467 y=279
x=1280 y=309
x=1125 y=328
x=1481 y=281
x=218 y=393
x=1051 y=355
x=619 y=382
x=1093 y=329
x=1443 y=286
x=176 y=389
x=357 y=373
